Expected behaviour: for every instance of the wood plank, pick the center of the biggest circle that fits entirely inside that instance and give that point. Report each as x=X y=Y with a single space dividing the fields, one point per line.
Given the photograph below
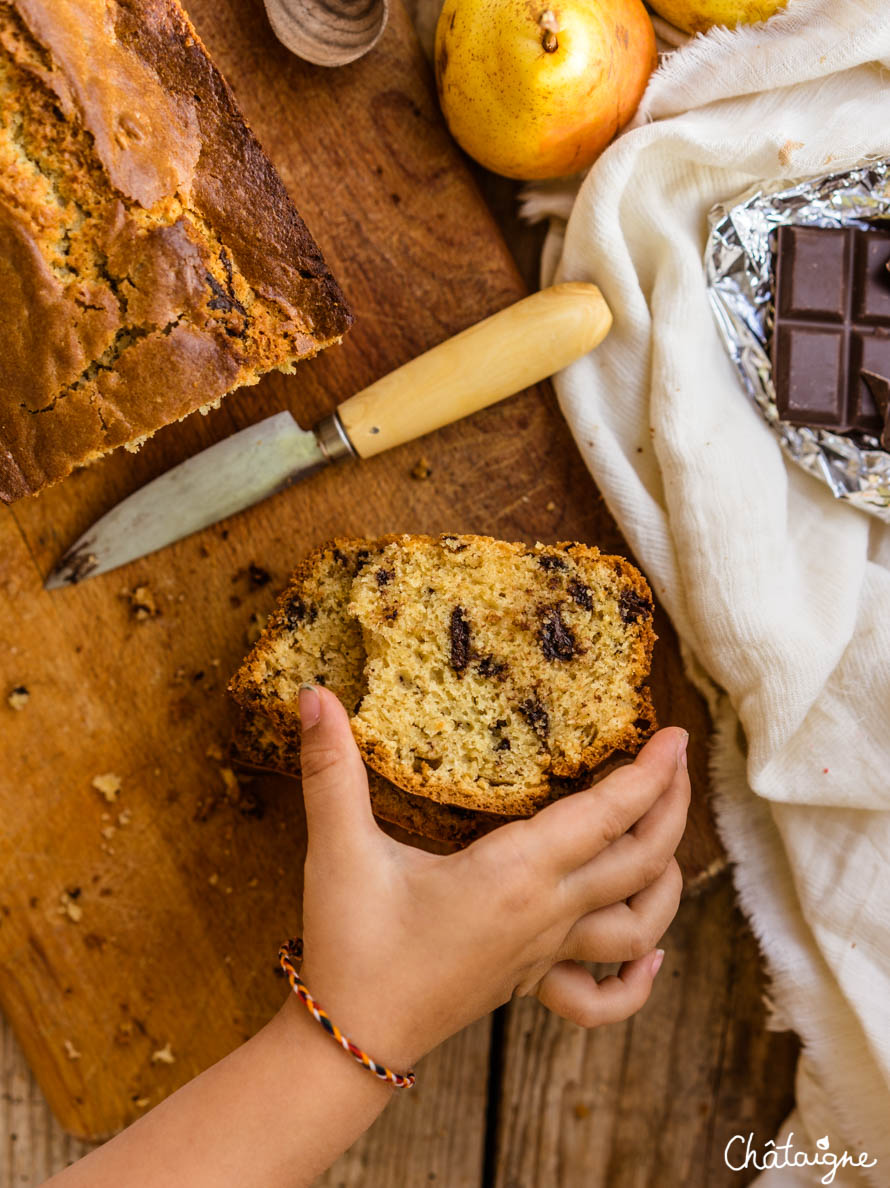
x=184 y=906
x=653 y=1101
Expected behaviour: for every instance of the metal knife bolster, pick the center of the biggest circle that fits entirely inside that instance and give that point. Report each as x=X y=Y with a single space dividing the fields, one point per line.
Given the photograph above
x=333 y=440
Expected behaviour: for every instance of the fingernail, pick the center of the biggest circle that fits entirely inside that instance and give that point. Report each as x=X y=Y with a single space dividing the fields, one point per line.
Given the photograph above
x=657 y=960
x=310 y=705
x=681 y=749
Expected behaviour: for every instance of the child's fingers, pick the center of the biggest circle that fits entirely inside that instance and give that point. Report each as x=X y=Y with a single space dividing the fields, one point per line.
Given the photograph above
x=570 y=991
x=636 y=859
x=335 y=783
x=568 y=834
x=623 y=931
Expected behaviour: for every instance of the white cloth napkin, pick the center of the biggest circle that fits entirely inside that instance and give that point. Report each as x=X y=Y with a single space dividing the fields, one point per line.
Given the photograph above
x=780 y=594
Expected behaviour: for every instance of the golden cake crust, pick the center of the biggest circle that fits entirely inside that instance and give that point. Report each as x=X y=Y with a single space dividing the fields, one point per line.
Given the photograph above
x=143 y=233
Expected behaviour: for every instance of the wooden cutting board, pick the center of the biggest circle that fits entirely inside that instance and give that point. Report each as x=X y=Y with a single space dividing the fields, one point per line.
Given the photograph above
x=150 y=925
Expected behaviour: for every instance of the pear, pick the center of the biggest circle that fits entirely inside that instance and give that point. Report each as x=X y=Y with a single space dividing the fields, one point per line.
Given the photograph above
x=538 y=88
x=695 y=16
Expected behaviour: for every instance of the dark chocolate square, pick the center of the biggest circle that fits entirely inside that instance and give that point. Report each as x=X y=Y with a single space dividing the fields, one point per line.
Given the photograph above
x=814 y=264
x=871 y=280
x=810 y=378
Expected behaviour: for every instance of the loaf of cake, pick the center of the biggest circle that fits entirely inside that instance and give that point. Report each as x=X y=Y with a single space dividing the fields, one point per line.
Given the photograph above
x=150 y=258
x=492 y=668
x=479 y=674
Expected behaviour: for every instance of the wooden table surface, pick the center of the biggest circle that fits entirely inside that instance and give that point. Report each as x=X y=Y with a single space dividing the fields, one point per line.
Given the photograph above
x=649 y=1102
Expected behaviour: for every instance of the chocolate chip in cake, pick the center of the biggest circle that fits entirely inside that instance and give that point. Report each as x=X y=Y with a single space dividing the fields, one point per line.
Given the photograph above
x=489 y=667
x=503 y=745
x=556 y=639
x=384 y=576
x=460 y=639
x=340 y=557
x=296 y=611
x=580 y=594
x=632 y=606
x=551 y=561
x=361 y=560
x=536 y=716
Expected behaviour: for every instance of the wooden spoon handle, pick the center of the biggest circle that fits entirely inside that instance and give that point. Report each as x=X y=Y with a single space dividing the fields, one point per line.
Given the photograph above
x=511 y=350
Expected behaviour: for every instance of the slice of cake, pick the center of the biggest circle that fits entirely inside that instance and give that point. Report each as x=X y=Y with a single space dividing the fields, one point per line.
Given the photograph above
x=493 y=668
x=150 y=258
x=479 y=674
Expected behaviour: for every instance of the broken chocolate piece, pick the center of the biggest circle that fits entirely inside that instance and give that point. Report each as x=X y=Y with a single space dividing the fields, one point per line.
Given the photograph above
x=460 y=639
x=832 y=323
x=879 y=386
x=384 y=576
x=556 y=639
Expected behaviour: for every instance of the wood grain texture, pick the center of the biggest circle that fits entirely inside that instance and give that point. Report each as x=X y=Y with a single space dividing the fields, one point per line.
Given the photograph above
x=654 y=1101
x=182 y=901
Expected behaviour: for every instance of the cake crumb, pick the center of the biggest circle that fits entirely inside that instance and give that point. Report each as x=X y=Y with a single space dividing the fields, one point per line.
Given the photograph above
x=233 y=788
x=141 y=1102
x=125 y=818
x=550 y=505
x=422 y=469
x=19 y=697
x=108 y=832
x=107 y=785
x=163 y=1055
x=71 y=1052
x=214 y=879
x=69 y=908
x=142 y=603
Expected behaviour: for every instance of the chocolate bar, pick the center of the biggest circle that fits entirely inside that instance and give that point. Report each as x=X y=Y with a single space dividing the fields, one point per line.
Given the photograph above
x=832 y=323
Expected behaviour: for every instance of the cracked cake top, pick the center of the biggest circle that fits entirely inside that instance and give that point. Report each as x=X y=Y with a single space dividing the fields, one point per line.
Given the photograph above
x=150 y=257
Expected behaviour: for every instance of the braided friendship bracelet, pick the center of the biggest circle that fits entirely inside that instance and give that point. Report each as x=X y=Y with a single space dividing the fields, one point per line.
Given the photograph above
x=292 y=951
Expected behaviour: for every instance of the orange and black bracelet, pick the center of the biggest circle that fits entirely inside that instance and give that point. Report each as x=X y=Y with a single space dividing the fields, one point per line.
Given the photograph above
x=291 y=952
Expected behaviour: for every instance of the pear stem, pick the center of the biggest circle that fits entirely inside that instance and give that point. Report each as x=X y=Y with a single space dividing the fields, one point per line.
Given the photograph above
x=550 y=26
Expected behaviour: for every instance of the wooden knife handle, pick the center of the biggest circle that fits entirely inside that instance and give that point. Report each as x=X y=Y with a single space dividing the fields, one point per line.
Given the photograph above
x=511 y=350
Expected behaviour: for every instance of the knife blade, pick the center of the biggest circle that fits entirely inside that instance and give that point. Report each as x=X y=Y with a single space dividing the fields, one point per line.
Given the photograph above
x=511 y=350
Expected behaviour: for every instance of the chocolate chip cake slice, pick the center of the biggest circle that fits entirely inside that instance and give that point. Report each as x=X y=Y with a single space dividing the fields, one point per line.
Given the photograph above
x=151 y=260
x=493 y=667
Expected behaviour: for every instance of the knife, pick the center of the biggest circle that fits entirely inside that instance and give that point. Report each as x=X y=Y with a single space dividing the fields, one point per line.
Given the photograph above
x=511 y=350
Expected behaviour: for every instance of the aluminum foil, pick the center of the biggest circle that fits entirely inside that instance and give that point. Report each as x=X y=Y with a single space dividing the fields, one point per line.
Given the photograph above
x=738 y=261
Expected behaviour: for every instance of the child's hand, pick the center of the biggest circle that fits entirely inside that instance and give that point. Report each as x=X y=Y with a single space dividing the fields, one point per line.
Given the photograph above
x=404 y=948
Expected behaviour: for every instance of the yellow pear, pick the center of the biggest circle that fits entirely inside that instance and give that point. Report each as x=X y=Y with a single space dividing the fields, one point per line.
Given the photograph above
x=538 y=88
x=695 y=16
